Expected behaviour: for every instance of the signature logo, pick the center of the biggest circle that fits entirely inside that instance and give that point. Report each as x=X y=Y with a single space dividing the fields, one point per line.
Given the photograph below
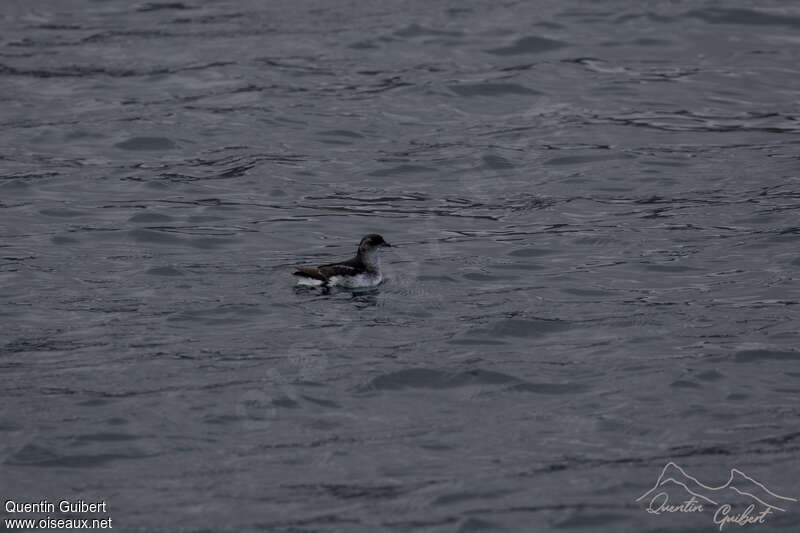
x=740 y=501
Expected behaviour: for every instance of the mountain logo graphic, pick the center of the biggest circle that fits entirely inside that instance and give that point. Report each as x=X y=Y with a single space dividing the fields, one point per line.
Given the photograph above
x=739 y=491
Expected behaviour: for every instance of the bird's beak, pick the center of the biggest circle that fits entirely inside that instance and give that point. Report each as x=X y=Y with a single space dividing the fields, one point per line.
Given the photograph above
x=386 y=244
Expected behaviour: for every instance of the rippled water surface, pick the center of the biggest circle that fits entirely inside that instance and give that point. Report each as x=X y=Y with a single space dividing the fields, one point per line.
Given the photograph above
x=594 y=207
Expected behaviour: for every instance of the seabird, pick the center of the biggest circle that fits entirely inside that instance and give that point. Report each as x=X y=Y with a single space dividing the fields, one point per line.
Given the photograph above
x=363 y=270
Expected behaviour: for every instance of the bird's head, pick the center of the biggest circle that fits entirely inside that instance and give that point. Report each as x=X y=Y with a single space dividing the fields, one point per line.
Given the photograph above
x=371 y=242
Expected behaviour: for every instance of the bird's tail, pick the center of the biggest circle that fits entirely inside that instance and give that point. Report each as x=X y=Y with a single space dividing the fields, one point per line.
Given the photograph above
x=309 y=272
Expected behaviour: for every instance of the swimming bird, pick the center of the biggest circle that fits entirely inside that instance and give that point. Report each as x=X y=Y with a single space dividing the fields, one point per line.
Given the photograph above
x=363 y=270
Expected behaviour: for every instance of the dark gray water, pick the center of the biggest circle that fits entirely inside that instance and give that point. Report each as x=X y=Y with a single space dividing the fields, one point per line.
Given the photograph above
x=595 y=213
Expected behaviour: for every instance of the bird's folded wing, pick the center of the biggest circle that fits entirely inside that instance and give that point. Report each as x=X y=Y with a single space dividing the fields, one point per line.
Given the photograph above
x=338 y=270
x=325 y=272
